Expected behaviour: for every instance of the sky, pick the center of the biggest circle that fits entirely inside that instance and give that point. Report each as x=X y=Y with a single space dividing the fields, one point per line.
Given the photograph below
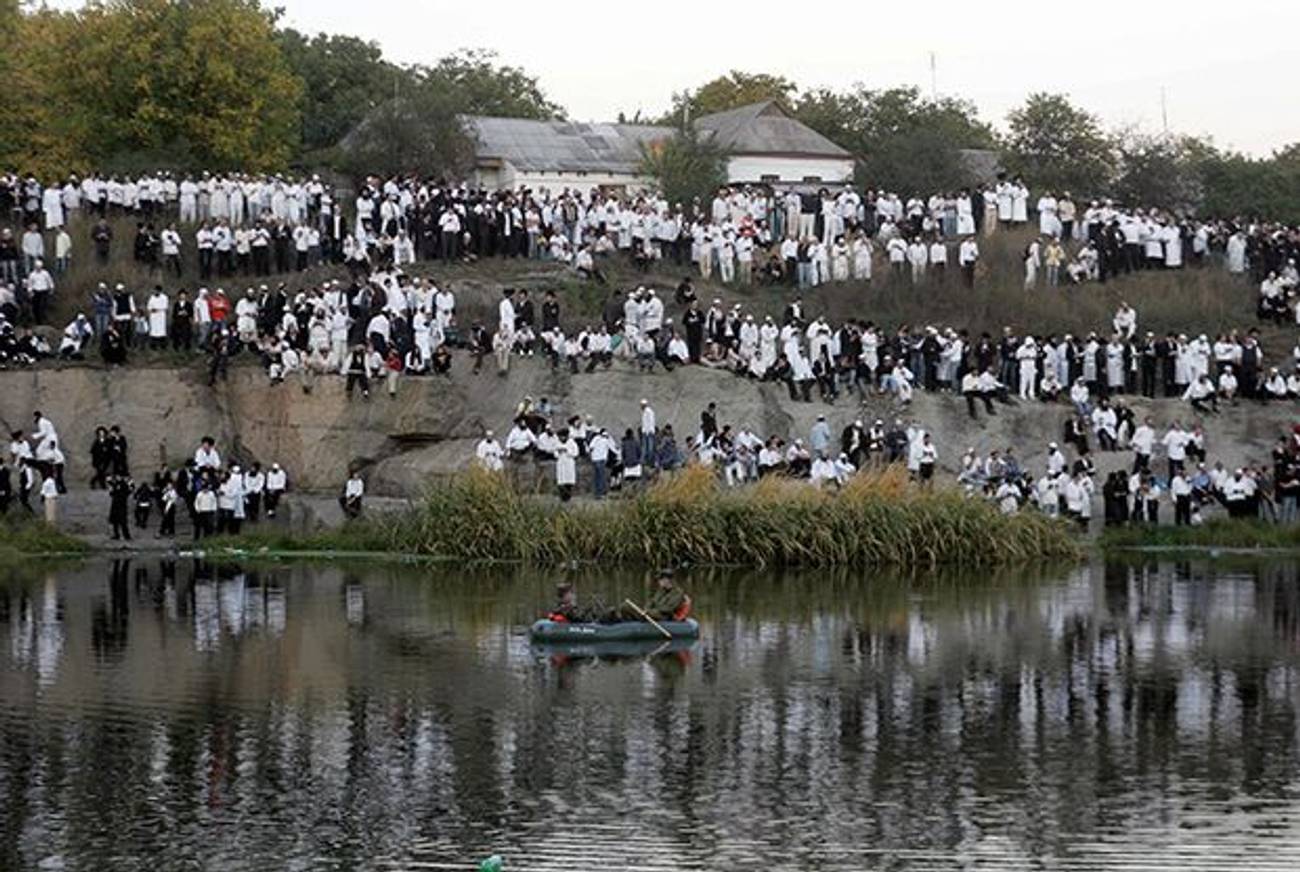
x=1225 y=70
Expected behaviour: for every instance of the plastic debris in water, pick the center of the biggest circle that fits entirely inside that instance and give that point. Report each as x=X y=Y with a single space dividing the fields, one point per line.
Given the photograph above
x=492 y=864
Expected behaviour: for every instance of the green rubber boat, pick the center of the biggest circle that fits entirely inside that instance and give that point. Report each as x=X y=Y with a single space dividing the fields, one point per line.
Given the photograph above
x=561 y=631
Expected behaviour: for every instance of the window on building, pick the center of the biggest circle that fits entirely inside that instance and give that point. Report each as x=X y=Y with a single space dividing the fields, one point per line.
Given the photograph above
x=813 y=180
x=770 y=177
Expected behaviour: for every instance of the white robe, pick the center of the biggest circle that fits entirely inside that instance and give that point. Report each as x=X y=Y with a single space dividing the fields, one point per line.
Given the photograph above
x=52 y=203
x=566 y=466
x=157 y=306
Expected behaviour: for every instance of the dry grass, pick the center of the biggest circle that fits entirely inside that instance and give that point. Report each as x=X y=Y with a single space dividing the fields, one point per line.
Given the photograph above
x=879 y=519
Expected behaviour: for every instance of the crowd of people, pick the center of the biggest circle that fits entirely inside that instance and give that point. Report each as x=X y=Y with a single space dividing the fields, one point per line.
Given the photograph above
x=218 y=496
x=620 y=458
x=381 y=323
x=224 y=228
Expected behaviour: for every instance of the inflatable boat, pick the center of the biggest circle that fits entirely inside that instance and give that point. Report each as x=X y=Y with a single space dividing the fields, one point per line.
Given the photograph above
x=562 y=631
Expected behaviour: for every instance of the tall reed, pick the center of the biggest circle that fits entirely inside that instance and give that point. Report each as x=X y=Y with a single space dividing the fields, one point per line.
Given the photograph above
x=877 y=519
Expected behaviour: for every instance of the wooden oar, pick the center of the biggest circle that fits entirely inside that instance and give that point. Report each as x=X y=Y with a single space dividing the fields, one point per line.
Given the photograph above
x=642 y=612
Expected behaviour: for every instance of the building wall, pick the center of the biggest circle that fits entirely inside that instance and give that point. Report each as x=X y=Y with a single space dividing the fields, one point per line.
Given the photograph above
x=755 y=168
x=507 y=177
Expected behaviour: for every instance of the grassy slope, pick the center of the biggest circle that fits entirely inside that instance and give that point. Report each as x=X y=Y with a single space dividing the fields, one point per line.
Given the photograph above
x=1191 y=301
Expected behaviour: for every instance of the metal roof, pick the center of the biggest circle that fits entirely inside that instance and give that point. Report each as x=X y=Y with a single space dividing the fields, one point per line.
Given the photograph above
x=765 y=128
x=567 y=146
x=563 y=146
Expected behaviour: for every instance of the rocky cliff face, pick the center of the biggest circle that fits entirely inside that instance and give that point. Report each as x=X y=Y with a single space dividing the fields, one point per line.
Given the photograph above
x=431 y=428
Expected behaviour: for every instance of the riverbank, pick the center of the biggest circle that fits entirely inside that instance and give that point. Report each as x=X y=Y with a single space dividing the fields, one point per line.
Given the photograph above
x=1233 y=534
x=21 y=538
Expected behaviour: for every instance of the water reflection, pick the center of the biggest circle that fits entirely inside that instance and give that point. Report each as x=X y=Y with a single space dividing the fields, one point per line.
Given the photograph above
x=184 y=715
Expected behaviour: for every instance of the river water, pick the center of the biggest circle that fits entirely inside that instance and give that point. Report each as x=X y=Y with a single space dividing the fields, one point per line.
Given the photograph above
x=1137 y=715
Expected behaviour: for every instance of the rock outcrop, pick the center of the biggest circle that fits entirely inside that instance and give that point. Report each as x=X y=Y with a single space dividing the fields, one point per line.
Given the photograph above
x=430 y=429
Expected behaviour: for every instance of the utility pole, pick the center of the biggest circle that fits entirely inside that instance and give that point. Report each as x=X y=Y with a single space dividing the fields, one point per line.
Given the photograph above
x=934 y=77
x=1164 y=109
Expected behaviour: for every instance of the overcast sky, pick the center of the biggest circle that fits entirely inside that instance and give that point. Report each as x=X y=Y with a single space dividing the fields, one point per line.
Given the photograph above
x=1228 y=70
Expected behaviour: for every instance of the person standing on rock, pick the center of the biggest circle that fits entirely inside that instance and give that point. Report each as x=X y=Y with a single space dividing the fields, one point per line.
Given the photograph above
x=357 y=370
x=648 y=430
x=50 y=500
x=101 y=459
x=566 y=465
x=168 y=499
x=205 y=510
x=501 y=343
x=254 y=488
x=276 y=484
x=119 y=496
x=488 y=453
x=117 y=452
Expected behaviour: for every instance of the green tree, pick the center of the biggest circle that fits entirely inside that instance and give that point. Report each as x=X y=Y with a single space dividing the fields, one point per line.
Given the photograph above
x=734 y=89
x=205 y=74
x=1259 y=188
x=1058 y=146
x=40 y=131
x=903 y=141
x=478 y=85
x=687 y=166
x=1164 y=171
x=419 y=131
x=343 y=79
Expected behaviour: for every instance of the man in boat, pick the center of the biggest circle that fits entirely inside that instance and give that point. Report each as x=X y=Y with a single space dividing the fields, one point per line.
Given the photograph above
x=667 y=603
x=566 y=608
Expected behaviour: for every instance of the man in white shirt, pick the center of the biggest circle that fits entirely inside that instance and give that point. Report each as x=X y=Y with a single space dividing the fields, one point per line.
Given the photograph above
x=1142 y=442
x=599 y=450
x=276 y=484
x=488 y=452
x=170 y=241
x=648 y=433
x=968 y=254
x=1175 y=443
x=206 y=457
x=353 y=492
x=40 y=287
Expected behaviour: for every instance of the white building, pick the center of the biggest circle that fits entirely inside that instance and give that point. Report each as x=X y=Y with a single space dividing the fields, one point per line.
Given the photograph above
x=764 y=144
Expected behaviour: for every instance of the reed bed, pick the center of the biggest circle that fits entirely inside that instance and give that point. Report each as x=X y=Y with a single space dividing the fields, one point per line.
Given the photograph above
x=878 y=519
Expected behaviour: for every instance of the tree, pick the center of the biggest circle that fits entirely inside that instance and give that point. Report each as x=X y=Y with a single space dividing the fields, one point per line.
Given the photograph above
x=343 y=79
x=1246 y=187
x=419 y=131
x=478 y=85
x=903 y=141
x=145 y=74
x=1056 y=145
x=729 y=92
x=40 y=132
x=687 y=166
x=1164 y=171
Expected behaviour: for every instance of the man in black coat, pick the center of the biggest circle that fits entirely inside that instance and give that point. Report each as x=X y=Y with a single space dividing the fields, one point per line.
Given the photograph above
x=119 y=494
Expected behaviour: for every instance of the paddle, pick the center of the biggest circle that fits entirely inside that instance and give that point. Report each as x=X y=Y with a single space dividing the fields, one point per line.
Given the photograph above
x=642 y=612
